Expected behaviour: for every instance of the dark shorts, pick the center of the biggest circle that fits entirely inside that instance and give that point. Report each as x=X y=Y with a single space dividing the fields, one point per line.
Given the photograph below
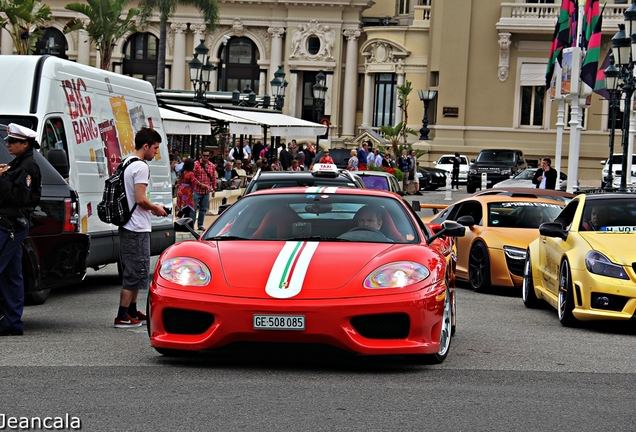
x=134 y=255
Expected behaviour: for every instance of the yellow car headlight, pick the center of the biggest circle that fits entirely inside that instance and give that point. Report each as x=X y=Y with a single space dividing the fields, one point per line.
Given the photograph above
x=599 y=264
x=185 y=271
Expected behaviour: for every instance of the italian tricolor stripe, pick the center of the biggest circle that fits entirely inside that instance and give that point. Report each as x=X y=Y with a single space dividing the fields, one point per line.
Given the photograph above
x=321 y=189
x=288 y=273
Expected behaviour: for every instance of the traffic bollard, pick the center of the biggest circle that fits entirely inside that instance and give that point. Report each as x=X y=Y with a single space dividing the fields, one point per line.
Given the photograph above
x=449 y=185
x=484 y=181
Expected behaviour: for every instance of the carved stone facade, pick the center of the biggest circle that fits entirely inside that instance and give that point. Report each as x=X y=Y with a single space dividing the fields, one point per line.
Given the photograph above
x=325 y=35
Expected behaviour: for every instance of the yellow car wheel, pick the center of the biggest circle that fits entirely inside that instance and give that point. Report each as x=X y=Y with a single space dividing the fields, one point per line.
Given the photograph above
x=530 y=299
x=479 y=268
x=566 y=296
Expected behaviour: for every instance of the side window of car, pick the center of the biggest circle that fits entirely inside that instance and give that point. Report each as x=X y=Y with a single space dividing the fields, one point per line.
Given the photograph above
x=566 y=216
x=443 y=215
x=470 y=208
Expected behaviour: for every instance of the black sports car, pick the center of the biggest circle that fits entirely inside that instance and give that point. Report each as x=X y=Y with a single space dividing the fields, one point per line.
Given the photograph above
x=431 y=178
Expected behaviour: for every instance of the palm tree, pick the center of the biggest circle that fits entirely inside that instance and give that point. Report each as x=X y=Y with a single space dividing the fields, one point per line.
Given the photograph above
x=105 y=24
x=403 y=102
x=26 y=17
x=166 y=8
x=393 y=134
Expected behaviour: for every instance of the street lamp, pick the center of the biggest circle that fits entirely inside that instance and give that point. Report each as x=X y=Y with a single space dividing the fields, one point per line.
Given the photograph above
x=279 y=87
x=200 y=71
x=624 y=49
x=612 y=82
x=426 y=96
x=319 y=94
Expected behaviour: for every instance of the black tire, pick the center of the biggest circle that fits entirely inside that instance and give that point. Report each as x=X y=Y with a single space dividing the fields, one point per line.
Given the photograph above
x=445 y=337
x=37 y=297
x=470 y=188
x=530 y=299
x=566 y=296
x=479 y=268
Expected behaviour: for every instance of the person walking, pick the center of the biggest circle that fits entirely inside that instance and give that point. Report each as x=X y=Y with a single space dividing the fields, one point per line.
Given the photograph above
x=205 y=173
x=546 y=176
x=353 y=163
x=413 y=173
x=185 y=194
x=457 y=161
x=20 y=189
x=404 y=164
x=362 y=155
x=134 y=236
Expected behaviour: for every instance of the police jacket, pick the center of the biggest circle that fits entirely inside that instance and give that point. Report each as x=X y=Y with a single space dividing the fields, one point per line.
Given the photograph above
x=20 y=187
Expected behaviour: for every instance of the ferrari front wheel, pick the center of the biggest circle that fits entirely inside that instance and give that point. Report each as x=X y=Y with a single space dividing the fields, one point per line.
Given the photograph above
x=445 y=335
x=479 y=268
x=566 y=296
x=530 y=299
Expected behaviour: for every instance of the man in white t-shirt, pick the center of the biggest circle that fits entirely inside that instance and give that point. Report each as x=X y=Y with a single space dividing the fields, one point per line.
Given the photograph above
x=134 y=236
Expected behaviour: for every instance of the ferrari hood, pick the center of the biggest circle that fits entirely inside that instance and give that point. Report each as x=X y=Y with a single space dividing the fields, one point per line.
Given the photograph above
x=323 y=265
x=618 y=247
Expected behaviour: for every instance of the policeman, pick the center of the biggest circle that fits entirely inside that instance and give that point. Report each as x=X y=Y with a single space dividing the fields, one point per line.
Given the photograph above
x=20 y=184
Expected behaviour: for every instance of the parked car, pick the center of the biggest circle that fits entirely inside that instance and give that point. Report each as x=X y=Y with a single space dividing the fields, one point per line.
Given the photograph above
x=524 y=180
x=582 y=264
x=394 y=296
x=340 y=156
x=497 y=164
x=55 y=251
x=380 y=180
x=493 y=250
x=445 y=162
x=617 y=169
x=431 y=178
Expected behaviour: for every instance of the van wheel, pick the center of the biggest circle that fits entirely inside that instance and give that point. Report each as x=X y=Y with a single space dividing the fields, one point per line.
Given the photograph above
x=37 y=297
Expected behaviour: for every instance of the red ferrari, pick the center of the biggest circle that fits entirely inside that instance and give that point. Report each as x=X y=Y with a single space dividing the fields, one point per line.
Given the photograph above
x=352 y=268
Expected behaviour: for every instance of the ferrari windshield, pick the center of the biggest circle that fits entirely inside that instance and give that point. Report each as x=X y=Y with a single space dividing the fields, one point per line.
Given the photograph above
x=522 y=214
x=316 y=215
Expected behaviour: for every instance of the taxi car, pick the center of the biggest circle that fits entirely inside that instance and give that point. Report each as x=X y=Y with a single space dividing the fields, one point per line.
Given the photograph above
x=584 y=263
x=500 y=227
x=394 y=296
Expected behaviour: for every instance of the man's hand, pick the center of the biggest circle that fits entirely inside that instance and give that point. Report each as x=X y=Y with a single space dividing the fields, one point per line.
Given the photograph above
x=158 y=210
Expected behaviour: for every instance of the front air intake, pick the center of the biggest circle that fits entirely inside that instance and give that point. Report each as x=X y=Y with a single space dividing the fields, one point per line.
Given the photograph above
x=382 y=326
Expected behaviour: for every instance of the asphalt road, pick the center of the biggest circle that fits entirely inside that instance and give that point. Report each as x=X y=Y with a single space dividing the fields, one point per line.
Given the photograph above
x=509 y=368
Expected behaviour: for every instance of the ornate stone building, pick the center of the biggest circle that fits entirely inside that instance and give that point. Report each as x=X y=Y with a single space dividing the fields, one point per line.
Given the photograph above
x=486 y=59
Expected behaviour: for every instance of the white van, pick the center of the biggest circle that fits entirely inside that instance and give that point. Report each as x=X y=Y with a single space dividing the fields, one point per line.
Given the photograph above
x=93 y=116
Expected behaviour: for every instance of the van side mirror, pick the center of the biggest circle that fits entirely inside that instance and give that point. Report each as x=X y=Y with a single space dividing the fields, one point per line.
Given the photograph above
x=58 y=159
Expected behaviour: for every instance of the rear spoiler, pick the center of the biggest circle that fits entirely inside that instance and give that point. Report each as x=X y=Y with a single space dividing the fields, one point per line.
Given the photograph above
x=435 y=207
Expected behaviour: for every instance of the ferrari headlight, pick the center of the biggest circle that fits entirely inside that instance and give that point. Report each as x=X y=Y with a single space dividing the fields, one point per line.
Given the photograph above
x=396 y=275
x=185 y=271
x=515 y=253
x=599 y=264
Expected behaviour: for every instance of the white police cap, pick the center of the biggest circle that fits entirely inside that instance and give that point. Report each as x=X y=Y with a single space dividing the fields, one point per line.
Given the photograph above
x=20 y=132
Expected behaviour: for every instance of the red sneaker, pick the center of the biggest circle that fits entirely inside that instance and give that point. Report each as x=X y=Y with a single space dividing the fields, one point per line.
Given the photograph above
x=140 y=316
x=127 y=323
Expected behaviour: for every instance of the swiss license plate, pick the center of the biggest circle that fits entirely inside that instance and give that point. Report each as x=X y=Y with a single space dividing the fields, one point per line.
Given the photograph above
x=279 y=322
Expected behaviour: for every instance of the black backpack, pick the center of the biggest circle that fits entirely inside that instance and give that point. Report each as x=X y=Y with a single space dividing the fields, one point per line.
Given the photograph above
x=113 y=208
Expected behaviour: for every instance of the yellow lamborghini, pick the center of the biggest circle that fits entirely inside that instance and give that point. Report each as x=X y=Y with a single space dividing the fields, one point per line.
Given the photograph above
x=499 y=230
x=584 y=263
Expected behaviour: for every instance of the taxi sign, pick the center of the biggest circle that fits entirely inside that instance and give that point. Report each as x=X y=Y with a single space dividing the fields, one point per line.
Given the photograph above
x=325 y=169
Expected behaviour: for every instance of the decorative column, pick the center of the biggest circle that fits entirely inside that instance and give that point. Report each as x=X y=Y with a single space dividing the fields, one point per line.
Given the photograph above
x=504 y=56
x=84 y=46
x=178 y=73
x=290 y=98
x=350 y=83
x=276 y=54
x=398 y=111
x=367 y=109
x=263 y=84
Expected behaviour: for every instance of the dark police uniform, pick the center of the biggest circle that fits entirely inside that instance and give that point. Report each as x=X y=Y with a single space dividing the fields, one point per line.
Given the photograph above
x=20 y=189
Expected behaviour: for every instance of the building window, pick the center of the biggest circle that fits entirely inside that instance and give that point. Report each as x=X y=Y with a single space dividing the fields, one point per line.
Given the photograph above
x=53 y=42
x=313 y=45
x=241 y=65
x=532 y=105
x=140 y=57
x=385 y=99
x=403 y=7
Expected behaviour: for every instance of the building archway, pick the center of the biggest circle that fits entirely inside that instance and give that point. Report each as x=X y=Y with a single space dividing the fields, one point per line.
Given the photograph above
x=53 y=42
x=240 y=59
x=140 y=57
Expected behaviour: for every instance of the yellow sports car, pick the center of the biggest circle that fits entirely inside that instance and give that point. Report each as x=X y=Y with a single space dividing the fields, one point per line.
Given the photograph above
x=584 y=263
x=499 y=230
